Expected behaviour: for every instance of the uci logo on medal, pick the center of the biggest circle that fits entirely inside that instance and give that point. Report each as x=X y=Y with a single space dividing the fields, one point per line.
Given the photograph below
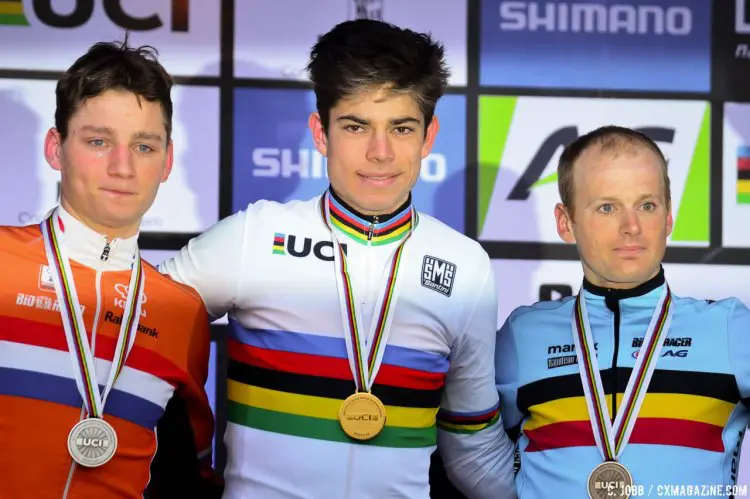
x=362 y=417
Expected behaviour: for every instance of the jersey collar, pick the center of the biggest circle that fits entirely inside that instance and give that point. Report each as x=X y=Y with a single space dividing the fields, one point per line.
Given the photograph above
x=88 y=247
x=621 y=294
x=643 y=295
x=374 y=230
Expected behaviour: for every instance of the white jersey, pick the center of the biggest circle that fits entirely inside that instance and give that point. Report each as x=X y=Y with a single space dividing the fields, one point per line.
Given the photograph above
x=271 y=268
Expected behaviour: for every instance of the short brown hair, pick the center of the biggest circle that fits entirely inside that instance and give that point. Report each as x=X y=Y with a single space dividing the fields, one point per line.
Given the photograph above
x=357 y=55
x=113 y=66
x=609 y=139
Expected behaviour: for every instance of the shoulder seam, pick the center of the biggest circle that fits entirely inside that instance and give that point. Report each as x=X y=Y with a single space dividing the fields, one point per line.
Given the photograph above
x=184 y=289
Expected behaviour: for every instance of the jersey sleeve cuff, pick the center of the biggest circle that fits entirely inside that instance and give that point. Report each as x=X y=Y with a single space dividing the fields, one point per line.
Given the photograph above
x=468 y=422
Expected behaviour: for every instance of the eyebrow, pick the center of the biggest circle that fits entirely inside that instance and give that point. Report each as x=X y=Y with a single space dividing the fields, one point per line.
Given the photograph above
x=362 y=121
x=642 y=197
x=108 y=131
x=148 y=136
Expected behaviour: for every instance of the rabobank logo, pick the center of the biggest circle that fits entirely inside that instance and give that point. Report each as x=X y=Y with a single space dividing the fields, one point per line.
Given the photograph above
x=596 y=18
x=273 y=162
x=657 y=45
x=275 y=159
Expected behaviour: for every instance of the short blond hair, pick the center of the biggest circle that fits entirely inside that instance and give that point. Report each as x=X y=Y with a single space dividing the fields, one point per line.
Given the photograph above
x=609 y=139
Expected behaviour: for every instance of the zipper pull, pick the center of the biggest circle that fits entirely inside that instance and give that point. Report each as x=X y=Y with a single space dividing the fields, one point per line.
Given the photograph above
x=105 y=252
x=372 y=228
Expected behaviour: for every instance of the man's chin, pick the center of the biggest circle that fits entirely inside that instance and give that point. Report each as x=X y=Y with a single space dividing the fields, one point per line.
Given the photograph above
x=630 y=278
x=380 y=203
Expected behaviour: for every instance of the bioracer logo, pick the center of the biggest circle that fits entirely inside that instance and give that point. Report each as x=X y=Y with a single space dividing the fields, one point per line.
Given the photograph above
x=578 y=17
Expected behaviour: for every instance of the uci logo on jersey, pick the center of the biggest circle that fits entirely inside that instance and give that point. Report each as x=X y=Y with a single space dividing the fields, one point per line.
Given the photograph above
x=284 y=244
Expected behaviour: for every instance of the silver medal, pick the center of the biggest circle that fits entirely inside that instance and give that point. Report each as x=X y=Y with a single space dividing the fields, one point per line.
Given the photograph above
x=92 y=442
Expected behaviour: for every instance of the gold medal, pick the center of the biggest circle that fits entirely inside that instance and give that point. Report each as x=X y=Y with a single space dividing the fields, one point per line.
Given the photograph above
x=362 y=416
x=610 y=480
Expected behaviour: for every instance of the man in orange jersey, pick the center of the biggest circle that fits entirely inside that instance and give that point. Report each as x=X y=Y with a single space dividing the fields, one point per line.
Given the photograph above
x=91 y=385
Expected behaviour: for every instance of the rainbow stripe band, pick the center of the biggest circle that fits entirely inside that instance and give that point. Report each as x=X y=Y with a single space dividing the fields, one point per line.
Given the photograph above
x=743 y=175
x=357 y=228
x=640 y=380
x=365 y=361
x=12 y=13
x=598 y=417
x=69 y=307
x=73 y=324
x=612 y=438
x=352 y=323
x=295 y=382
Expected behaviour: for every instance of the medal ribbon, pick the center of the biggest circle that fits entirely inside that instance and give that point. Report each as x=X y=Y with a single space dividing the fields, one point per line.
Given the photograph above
x=72 y=319
x=611 y=440
x=365 y=359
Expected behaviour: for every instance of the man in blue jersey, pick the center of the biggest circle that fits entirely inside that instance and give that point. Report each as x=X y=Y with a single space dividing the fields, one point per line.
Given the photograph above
x=680 y=367
x=361 y=332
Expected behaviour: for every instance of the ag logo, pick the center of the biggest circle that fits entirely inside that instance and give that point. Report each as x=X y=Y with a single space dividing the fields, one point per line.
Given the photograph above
x=438 y=275
x=559 y=139
x=12 y=13
x=667 y=353
x=122 y=291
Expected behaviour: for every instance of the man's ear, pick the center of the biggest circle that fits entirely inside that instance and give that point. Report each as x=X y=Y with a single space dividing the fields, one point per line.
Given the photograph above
x=53 y=148
x=318 y=134
x=564 y=223
x=670 y=220
x=430 y=134
x=169 y=163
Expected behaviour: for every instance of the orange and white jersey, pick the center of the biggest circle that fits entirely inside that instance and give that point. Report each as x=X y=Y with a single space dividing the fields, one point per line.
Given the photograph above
x=162 y=379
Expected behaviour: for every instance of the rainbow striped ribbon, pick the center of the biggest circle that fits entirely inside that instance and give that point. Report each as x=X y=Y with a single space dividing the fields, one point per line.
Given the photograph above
x=365 y=359
x=72 y=318
x=612 y=439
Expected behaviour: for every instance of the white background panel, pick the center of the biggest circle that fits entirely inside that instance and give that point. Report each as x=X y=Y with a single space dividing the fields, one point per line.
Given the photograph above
x=535 y=119
x=187 y=202
x=194 y=52
x=736 y=221
x=273 y=39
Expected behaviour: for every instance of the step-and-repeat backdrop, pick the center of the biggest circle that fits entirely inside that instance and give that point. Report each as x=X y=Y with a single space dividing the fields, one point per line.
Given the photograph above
x=528 y=77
